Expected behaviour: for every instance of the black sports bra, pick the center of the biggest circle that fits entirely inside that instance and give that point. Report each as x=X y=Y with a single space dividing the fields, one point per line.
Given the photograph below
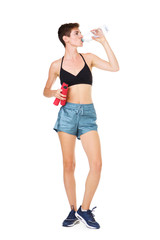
x=83 y=77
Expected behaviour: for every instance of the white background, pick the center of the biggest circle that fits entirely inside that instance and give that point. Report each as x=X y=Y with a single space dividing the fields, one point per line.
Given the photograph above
x=33 y=201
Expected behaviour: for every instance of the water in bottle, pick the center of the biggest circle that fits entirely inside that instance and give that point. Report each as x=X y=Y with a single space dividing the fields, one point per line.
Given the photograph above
x=88 y=36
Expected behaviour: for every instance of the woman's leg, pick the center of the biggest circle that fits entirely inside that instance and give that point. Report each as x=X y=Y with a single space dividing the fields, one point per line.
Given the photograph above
x=68 y=151
x=91 y=144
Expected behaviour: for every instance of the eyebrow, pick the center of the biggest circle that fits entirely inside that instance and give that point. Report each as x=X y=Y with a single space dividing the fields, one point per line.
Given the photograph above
x=76 y=31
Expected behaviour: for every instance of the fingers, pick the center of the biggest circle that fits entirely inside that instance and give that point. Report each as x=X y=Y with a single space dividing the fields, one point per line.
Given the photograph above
x=62 y=95
x=97 y=34
x=96 y=30
x=59 y=95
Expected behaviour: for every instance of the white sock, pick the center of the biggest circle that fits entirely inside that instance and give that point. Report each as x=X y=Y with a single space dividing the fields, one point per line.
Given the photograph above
x=83 y=210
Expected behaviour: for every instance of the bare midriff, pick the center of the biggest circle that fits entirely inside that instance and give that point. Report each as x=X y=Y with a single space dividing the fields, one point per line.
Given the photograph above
x=80 y=93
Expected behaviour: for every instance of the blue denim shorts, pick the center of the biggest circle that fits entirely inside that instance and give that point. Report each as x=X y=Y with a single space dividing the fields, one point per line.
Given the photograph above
x=76 y=119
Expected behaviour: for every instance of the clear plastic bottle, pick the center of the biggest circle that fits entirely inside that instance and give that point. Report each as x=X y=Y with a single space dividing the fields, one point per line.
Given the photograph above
x=88 y=36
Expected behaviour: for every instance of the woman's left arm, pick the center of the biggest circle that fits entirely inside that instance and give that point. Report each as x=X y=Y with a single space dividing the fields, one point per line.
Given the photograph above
x=112 y=65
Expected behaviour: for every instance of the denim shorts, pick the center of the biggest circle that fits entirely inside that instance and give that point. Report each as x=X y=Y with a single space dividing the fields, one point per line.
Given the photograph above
x=76 y=119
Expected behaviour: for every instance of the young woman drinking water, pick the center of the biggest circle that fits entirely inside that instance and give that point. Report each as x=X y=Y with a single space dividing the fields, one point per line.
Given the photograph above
x=77 y=118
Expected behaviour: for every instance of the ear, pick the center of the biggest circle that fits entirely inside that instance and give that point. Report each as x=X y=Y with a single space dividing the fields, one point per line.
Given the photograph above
x=65 y=39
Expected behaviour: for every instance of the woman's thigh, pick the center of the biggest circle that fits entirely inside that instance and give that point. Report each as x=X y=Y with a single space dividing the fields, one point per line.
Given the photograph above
x=67 y=142
x=92 y=147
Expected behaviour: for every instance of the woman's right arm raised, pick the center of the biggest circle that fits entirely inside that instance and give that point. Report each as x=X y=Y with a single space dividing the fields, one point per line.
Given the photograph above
x=52 y=76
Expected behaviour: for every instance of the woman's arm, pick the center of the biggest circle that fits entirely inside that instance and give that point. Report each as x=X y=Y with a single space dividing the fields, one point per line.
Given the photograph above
x=112 y=65
x=52 y=76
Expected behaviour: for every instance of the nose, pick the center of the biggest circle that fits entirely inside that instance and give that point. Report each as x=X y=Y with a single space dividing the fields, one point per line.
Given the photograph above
x=81 y=36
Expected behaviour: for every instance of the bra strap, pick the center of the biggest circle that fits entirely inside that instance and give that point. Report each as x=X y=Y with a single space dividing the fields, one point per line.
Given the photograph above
x=83 y=57
x=62 y=61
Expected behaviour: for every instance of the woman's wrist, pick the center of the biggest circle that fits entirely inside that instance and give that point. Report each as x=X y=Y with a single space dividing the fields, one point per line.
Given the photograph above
x=49 y=93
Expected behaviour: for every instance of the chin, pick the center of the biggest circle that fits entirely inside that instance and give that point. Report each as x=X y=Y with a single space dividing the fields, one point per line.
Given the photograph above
x=81 y=45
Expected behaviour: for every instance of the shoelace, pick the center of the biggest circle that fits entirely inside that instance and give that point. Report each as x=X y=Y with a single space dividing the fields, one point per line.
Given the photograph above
x=91 y=214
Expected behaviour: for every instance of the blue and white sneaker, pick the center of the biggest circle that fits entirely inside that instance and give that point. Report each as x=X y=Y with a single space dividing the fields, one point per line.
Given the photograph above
x=87 y=218
x=71 y=220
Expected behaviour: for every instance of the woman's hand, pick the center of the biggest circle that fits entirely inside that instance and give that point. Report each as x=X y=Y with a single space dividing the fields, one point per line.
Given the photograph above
x=59 y=95
x=100 y=35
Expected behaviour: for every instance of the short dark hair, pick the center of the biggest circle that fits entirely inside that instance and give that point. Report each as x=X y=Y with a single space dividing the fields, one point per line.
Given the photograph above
x=65 y=30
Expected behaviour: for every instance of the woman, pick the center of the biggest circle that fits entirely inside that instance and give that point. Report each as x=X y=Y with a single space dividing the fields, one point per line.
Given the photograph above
x=77 y=118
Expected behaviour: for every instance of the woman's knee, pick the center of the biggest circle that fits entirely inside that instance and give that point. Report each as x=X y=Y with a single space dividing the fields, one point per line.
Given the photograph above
x=96 y=166
x=68 y=165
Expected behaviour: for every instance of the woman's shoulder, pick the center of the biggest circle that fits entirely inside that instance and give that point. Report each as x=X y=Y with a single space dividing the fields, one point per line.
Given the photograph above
x=55 y=65
x=86 y=54
x=88 y=57
x=56 y=62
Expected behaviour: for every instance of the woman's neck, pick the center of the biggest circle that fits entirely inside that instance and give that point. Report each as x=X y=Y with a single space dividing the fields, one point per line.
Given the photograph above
x=71 y=53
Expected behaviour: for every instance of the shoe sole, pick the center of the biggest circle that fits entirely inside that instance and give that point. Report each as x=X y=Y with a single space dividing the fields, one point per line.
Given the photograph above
x=83 y=221
x=76 y=222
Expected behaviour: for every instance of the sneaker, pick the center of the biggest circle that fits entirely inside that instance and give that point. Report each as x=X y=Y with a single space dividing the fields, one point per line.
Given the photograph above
x=71 y=220
x=87 y=218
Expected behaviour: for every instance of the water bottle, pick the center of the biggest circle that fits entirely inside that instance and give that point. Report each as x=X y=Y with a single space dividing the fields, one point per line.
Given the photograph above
x=88 y=36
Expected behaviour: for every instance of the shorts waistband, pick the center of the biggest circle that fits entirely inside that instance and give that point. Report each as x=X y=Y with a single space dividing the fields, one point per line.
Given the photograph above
x=78 y=105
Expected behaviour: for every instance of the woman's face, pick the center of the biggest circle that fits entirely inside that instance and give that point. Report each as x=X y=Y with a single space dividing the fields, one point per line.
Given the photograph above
x=75 y=38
